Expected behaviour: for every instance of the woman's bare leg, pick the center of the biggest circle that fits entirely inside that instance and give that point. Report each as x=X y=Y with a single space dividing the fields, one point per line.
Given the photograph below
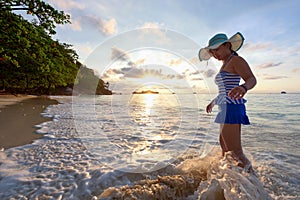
x=230 y=140
x=223 y=146
x=231 y=136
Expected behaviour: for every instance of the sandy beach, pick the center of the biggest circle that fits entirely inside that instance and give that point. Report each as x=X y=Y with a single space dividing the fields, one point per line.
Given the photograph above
x=18 y=117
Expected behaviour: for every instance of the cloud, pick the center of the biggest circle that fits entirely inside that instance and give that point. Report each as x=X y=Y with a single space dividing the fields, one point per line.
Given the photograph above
x=268 y=65
x=67 y=5
x=197 y=79
x=256 y=46
x=131 y=72
x=109 y=27
x=106 y=27
x=152 y=25
x=295 y=70
x=75 y=25
x=172 y=76
x=155 y=31
x=175 y=62
x=193 y=76
x=268 y=77
x=196 y=73
x=140 y=61
x=84 y=50
x=137 y=69
x=134 y=72
x=209 y=73
x=119 y=54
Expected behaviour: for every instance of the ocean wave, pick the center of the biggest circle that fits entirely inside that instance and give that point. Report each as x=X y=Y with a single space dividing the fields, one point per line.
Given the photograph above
x=59 y=166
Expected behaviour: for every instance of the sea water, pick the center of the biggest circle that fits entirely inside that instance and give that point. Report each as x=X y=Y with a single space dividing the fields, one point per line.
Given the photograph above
x=154 y=146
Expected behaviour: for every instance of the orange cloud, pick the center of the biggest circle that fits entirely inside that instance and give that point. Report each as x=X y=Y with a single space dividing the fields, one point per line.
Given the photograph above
x=268 y=65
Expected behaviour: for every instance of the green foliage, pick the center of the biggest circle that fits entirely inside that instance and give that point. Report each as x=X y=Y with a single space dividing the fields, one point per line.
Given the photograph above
x=47 y=15
x=30 y=60
x=89 y=83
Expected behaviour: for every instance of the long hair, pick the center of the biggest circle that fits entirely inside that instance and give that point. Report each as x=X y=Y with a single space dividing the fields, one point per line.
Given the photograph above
x=234 y=52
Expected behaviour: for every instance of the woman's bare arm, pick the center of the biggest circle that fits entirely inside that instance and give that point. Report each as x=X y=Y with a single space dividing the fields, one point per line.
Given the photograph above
x=242 y=68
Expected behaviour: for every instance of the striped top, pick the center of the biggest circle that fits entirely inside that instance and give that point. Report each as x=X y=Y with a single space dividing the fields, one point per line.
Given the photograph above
x=225 y=82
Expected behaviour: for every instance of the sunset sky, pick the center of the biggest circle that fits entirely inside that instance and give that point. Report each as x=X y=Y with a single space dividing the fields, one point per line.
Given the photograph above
x=271 y=29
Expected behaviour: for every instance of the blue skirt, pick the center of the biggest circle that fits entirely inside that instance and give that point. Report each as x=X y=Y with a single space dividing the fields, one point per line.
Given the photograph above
x=232 y=114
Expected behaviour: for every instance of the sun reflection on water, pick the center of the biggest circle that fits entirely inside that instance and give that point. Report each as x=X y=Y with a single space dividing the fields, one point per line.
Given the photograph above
x=156 y=118
x=148 y=100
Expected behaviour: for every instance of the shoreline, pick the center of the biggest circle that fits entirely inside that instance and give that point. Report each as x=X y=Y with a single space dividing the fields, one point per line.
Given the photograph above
x=18 y=117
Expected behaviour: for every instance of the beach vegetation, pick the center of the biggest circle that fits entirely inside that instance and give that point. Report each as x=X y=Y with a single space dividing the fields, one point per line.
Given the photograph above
x=30 y=60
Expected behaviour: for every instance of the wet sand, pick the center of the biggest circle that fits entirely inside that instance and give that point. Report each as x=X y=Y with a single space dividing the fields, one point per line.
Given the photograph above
x=18 y=117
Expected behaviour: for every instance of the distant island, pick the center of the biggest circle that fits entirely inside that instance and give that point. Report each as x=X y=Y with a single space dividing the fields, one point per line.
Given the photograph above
x=283 y=92
x=146 y=92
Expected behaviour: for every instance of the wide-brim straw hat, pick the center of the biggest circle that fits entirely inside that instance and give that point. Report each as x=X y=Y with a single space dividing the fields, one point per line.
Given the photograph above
x=236 y=41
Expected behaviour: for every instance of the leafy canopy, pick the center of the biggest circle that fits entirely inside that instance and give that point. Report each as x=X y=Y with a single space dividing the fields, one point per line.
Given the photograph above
x=30 y=60
x=47 y=16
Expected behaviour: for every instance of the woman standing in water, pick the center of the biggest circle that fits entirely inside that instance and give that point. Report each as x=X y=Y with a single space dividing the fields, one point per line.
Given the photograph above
x=232 y=111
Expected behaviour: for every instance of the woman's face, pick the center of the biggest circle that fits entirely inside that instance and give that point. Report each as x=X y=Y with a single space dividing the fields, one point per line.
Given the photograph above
x=221 y=52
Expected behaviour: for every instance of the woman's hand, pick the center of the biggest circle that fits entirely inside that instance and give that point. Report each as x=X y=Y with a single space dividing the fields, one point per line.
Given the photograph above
x=210 y=106
x=237 y=92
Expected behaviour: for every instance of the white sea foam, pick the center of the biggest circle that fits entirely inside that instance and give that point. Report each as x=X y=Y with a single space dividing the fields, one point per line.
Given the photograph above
x=59 y=166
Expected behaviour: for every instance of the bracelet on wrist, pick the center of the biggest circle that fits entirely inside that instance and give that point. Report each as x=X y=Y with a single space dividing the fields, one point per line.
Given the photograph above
x=243 y=86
